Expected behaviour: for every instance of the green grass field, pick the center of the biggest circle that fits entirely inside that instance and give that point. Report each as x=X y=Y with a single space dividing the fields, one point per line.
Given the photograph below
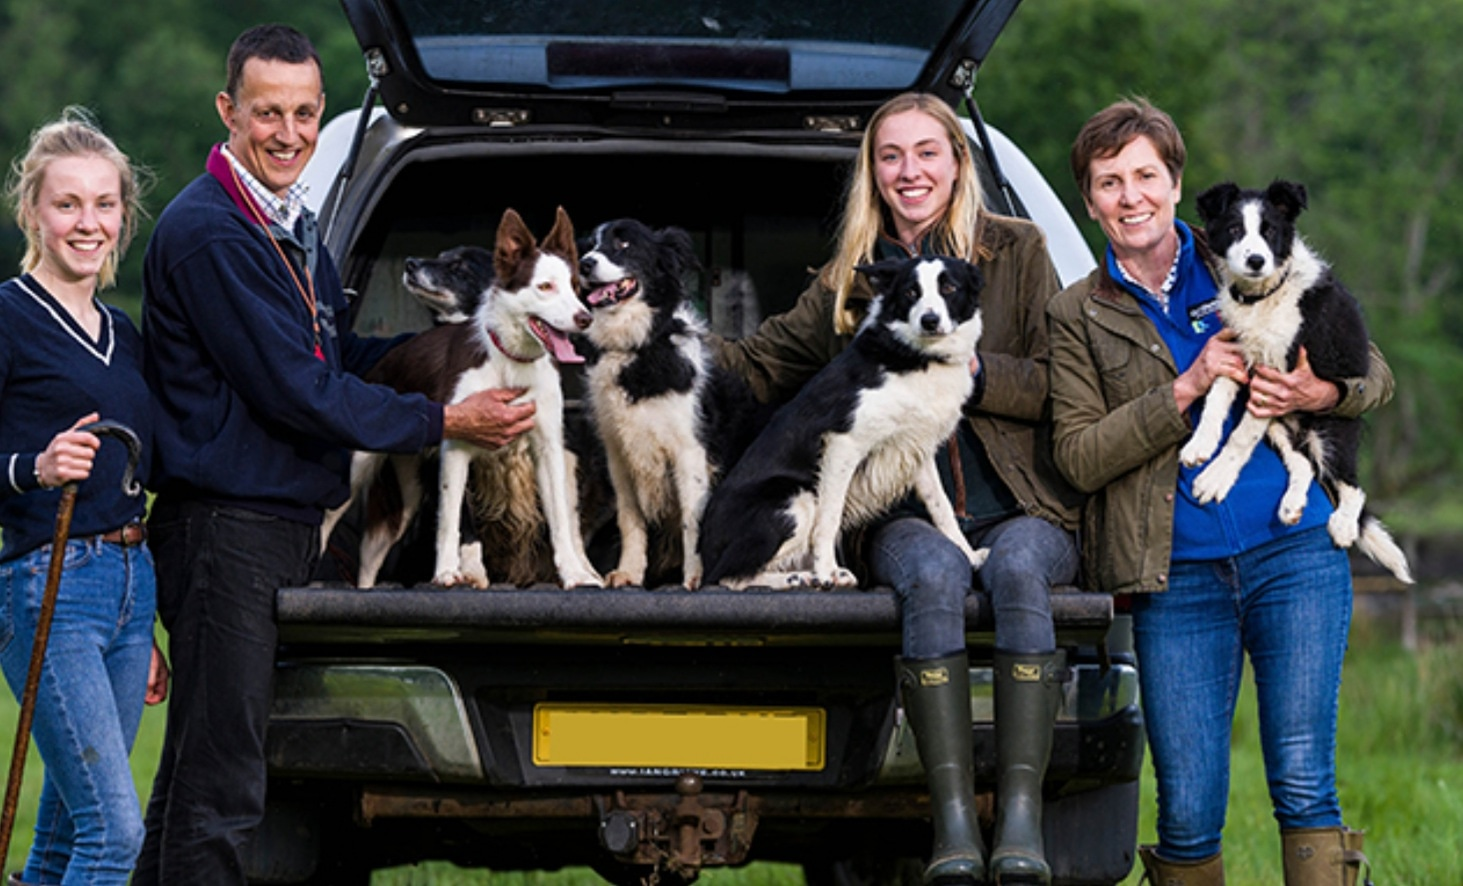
x=1401 y=780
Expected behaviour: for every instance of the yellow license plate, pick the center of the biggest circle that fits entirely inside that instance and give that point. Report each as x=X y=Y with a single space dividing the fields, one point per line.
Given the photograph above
x=690 y=736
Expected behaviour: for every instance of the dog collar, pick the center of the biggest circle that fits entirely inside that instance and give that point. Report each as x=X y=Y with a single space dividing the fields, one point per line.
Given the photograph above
x=1252 y=299
x=493 y=334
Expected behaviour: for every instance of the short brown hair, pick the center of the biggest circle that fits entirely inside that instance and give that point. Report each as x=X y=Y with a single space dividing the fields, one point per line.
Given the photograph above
x=1108 y=131
x=270 y=43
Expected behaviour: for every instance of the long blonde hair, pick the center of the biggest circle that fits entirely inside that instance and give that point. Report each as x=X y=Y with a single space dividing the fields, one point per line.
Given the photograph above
x=74 y=134
x=863 y=208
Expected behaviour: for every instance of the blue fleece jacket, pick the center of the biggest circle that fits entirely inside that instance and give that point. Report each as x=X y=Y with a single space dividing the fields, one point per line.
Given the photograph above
x=248 y=413
x=1247 y=517
x=52 y=372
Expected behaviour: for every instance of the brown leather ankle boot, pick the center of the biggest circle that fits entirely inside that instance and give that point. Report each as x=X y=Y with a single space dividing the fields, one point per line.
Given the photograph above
x=1159 y=871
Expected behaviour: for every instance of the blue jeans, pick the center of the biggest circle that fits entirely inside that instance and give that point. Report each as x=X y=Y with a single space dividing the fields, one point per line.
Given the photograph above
x=88 y=704
x=218 y=569
x=1287 y=604
x=931 y=577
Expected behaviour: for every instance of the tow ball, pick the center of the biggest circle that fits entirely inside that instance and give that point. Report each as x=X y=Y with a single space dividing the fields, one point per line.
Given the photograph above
x=679 y=833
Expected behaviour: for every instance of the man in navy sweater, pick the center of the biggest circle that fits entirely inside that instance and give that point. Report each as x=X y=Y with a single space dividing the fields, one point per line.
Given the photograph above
x=259 y=403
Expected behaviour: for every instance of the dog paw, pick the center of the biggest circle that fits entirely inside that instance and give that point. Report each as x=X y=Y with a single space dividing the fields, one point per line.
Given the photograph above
x=1291 y=509
x=456 y=578
x=619 y=579
x=692 y=581
x=843 y=578
x=1215 y=482
x=978 y=557
x=473 y=571
x=807 y=581
x=582 y=580
x=1195 y=453
x=1343 y=531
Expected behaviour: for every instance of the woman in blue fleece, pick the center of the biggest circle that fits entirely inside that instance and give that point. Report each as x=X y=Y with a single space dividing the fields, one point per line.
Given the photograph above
x=67 y=359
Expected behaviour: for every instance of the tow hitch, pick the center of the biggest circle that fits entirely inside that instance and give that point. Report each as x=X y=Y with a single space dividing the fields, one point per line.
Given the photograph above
x=679 y=834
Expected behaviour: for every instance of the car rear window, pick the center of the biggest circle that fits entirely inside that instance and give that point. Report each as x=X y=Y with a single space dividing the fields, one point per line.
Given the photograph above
x=752 y=45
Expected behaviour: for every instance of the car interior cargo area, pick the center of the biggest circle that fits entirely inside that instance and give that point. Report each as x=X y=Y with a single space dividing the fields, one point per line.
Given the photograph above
x=755 y=220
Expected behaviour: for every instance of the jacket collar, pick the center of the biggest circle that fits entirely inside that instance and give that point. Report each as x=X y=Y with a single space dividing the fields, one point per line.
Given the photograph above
x=1110 y=292
x=218 y=166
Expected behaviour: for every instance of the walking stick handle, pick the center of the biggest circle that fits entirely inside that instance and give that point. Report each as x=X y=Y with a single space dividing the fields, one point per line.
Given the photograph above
x=109 y=428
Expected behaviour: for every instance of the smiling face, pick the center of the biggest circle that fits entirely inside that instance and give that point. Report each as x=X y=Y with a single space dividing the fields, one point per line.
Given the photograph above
x=1134 y=198
x=915 y=169
x=77 y=214
x=274 y=121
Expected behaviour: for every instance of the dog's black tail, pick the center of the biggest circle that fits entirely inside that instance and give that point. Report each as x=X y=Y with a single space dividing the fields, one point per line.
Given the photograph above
x=1377 y=543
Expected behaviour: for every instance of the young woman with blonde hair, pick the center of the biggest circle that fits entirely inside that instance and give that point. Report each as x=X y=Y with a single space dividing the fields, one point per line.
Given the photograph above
x=914 y=190
x=67 y=359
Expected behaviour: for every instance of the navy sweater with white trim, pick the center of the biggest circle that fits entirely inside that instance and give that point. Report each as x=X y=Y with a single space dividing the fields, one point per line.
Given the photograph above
x=52 y=372
x=247 y=414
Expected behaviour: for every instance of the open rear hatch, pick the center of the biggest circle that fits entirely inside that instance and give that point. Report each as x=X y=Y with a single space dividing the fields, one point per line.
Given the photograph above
x=746 y=63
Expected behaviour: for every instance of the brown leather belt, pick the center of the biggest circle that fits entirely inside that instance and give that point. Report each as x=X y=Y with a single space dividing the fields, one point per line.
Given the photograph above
x=131 y=535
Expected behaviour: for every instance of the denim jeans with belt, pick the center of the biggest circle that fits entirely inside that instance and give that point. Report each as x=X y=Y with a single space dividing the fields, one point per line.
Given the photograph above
x=88 y=704
x=218 y=569
x=1287 y=604
x=931 y=577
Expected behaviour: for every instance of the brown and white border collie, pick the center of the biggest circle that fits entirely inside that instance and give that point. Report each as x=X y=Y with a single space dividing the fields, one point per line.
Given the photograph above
x=517 y=337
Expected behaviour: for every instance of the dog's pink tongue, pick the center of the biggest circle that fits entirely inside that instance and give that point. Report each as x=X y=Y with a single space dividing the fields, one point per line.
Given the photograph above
x=559 y=345
x=601 y=294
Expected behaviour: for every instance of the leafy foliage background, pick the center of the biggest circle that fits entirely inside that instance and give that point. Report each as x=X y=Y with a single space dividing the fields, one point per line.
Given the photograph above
x=1357 y=99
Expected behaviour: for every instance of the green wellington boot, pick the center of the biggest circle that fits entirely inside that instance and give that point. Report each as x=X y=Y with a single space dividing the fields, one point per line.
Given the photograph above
x=1028 y=694
x=936 y=696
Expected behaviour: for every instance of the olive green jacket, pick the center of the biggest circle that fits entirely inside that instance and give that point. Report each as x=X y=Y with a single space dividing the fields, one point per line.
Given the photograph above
x=1011 y=417
x=1119 y=429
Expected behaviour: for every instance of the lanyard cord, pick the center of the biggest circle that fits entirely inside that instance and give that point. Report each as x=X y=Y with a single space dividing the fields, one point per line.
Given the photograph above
x=308 y=295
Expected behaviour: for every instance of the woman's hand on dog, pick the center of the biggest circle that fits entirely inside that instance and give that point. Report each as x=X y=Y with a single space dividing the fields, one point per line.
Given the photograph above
x=1220 y=357
x=488 y=418
x=1274 y=392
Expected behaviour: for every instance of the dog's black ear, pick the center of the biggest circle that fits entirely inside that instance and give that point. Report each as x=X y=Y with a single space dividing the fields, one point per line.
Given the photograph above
x=974 y=279
x=881 y=274
x=678 y=250
x=1216 y=200
x=1289 y=196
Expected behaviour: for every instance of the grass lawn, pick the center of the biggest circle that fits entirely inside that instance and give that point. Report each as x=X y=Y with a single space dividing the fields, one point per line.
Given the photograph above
x=1400 y=760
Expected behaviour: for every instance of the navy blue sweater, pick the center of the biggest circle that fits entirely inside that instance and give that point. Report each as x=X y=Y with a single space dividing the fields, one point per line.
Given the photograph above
x=52 y=372
x=248 y=414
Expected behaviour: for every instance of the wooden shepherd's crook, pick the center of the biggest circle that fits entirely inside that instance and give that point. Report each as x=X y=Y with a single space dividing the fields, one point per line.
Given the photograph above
x=48 y=609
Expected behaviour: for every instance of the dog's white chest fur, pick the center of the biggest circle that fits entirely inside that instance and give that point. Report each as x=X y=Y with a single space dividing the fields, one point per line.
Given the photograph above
x=647 y=435
x=1267 y=327
x=898 y=425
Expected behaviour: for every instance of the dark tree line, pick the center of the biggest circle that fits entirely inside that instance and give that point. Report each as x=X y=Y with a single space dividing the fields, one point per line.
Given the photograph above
x=1355 y=98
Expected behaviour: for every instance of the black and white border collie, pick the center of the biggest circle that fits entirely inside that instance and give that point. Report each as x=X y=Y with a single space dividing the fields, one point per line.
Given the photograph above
x=451 y=285
x=670 y=419
x=1279 y=296
x=856 y=439
x=518 y=335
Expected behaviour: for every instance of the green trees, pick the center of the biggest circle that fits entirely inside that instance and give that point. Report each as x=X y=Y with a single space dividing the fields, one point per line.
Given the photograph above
x=1353 y=98
x=149 y=71
x=1357 y=99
